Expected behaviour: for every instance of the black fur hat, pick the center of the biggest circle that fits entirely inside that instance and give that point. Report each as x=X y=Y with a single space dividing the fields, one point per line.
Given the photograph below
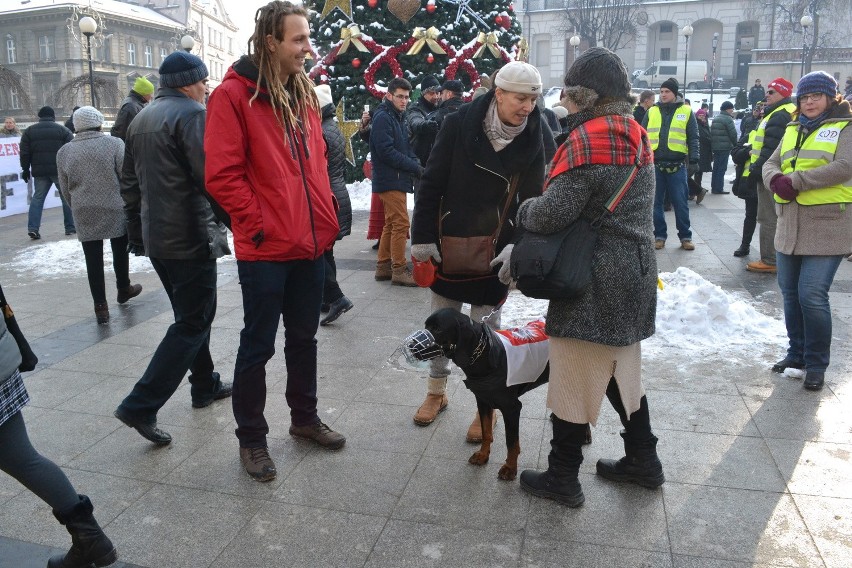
x=601 y=71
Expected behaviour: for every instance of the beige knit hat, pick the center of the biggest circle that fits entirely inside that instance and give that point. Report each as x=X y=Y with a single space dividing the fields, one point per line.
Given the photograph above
x=324 y=95
x=518 y=77
x=87 y=118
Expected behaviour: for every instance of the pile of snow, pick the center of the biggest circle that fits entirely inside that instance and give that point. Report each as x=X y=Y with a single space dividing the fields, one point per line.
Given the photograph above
x=361 y=192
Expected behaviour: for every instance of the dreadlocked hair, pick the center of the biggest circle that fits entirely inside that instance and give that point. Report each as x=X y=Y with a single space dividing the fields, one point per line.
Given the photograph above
x=297 y=94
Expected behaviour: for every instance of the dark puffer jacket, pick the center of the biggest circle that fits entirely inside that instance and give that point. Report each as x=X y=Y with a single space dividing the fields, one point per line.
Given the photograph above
x=421 y=128
x=394 y=163
x=724 y=133
x=336 y=156
x=705 y=159
x=130 y=107
x=465 y=185
x=39 y=145
x=772 y=135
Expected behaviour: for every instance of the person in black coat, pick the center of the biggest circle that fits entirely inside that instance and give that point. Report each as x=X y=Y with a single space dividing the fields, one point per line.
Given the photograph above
x=140 y=95
x=422 y=128
x=480 y=149
x=333 y=300
x=69 y=124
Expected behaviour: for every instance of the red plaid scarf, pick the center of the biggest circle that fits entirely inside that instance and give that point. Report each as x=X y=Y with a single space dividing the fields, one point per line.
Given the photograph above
x=605 y=140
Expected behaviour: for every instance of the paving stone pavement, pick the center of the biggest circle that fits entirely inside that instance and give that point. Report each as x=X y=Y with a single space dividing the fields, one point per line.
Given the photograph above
x=758 y=470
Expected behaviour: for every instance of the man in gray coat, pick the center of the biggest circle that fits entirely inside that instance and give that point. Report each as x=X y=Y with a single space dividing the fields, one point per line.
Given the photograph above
x=723 y=138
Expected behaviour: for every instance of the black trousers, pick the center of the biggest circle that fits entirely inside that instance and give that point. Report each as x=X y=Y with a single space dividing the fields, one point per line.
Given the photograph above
x=94 y=253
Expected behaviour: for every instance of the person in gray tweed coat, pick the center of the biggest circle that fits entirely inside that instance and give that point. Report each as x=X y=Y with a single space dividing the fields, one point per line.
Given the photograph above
x=89 y=169
x=595 y=338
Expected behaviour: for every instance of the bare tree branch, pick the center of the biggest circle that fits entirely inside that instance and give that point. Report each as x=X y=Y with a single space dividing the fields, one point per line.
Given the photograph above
x=605 y=23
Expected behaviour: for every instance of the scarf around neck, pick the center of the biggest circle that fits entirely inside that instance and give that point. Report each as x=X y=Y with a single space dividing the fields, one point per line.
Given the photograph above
x=500 y=135
x=811 y=123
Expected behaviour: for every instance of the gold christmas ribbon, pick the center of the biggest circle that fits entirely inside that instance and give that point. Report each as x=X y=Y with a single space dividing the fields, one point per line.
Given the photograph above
x=489 y=41
x=426 y=37
x=351 y=35
x=523 y=50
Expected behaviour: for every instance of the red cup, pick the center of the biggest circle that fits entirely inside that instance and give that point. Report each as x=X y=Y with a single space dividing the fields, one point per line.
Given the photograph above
x=425 y=273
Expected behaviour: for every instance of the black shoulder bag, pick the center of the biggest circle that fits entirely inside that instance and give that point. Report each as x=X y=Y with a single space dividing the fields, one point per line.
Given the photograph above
x=559 y=265
x=28 y=358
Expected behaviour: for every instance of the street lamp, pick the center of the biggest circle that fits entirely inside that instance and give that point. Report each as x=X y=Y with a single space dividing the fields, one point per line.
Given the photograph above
x=575 y=42
x=686 y=31
x=187 y=43
x=88 y=27
x=806 y=22
x=713 y=71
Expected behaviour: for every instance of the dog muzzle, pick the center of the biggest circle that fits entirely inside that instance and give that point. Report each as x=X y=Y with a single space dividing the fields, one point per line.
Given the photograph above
x=421 y=346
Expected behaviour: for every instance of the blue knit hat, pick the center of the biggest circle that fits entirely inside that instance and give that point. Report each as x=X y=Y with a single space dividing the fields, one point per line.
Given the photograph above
x=817 y=82
x=181 y=69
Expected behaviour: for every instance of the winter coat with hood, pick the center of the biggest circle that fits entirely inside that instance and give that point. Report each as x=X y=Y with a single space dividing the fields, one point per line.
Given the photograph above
x=465 y=185
x=130 y=107
x=816 y=229
x=162 y=182
x=39 y=145
x=772 y=136
x=272 y=181
x=336 y=157
x=422 y=129
x=724 y=133
x=395 y=165
x=663 y=155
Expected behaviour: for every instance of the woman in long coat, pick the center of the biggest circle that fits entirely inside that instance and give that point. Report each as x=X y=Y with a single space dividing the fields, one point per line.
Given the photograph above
x=479 y=150
x=89 y=170
x=595 y=338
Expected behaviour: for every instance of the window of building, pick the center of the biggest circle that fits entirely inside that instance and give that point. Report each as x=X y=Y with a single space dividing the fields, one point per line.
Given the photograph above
x=665 y=54
x=542 y=52
x=163 y=54
x=46 y=90
x=46 y=49
x=230 y=45
x=666 y=28
x=14 y=99
x=105 y=51
x=149 y=56
x=11 y=54
x=131 y=54
x=209 y=35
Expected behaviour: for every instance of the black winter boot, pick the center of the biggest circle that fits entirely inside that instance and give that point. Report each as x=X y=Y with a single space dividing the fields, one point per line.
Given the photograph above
x=640 y=466
x=89 y=544
x=559 y=482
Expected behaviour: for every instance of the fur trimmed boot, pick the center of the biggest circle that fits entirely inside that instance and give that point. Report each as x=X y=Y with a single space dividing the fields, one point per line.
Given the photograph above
x=559 y=482
x=89 y=544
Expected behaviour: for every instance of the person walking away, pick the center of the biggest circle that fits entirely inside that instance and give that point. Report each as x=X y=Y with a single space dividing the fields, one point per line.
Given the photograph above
x=266 y=165
x=463 y=192
x=594 y=350
x=69 y=124
x=46 y=480
x=705 y=160
x=334 y=302
x=39 y=145
x=756 y=93
x=139 y=96
x=673 y=132
x=810 y=175
x=394 y=167
x=723 y=138
x=646 y=101
x=776 y=115
x=89 y=170
x=171 y=220
x=422 y=127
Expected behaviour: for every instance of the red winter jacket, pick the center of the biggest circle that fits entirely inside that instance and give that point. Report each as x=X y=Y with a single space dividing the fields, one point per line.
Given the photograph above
x=267 y=179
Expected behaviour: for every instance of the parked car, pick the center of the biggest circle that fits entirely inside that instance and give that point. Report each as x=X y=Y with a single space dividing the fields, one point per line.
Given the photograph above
x=653 y=76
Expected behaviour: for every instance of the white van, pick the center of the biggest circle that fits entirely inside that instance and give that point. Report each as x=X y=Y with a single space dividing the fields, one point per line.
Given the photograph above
x=653 y=76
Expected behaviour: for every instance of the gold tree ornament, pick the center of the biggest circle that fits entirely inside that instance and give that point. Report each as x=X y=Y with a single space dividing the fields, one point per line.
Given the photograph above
x=426 y=37
x=344 y=6
x=488 y=41
x=404 y=10
x=523 y=51
x=351 y=35
x=349 y=128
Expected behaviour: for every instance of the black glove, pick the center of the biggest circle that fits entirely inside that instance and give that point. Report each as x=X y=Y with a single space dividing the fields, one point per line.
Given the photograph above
x=136 y=249
x=25 y=175
x=430 y=127
x=257 y=238
x=692 y=169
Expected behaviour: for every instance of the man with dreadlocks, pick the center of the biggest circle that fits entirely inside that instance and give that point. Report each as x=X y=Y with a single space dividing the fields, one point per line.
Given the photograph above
x=266 y=166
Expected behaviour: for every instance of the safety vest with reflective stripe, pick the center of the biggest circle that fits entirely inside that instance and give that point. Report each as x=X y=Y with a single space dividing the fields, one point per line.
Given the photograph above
x=818 y=149
x=760 y=132
x=677 y=128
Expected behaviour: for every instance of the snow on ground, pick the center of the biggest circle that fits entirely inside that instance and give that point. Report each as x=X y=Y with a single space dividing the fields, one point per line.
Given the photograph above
x=361 y=192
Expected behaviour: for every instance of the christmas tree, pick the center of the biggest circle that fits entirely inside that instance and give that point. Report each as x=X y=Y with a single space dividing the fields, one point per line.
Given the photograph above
x=362 y=44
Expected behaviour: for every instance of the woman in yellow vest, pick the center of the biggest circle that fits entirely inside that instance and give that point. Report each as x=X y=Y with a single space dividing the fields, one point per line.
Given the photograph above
x=811 y=179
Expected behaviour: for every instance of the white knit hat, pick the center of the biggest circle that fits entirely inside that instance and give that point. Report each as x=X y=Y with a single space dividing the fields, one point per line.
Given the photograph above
x=518 y=77
x=324 y=95
x=87 y=118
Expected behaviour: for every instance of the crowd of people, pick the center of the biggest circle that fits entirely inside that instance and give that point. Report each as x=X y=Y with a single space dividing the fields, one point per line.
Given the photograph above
x=263 y=157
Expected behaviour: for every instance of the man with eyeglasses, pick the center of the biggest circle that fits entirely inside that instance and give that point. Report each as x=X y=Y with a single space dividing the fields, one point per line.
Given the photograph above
x=395 y=166
x=767 y=136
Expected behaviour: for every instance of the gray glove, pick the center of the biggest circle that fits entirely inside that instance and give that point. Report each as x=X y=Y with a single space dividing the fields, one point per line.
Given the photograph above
x=505 y=274
x=423 y=253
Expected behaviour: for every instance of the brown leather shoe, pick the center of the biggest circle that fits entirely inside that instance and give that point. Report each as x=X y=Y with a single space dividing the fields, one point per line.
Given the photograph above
x=258 y=464
x=131 y=291
x=474 y=433
x=429 y=410
x=687 y=244
x=319 y=433
x=760 y=266
x=659 y=243
x=384 y=271
x=402 y=277
x=102 y=313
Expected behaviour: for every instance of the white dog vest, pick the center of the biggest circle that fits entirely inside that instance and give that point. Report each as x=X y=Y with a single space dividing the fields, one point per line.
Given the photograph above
x=527 y=352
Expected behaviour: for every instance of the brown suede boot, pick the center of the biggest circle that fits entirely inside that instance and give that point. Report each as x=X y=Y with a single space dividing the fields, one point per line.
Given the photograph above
x=102 y=313
x=402 y=277
x=383 y=270
x=474 y=433
x=429 y=410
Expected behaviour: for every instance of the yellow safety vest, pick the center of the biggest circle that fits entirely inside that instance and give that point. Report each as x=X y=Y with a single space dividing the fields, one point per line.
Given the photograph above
x=818 y=149
x=760 y=132
x=677 y=128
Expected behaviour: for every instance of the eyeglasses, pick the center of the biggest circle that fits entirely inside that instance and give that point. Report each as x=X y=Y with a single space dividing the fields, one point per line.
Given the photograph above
x=770 y=92
x=812 y=97
x=402 y=97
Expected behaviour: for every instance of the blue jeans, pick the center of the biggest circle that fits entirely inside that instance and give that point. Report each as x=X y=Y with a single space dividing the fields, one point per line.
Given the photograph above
x=292 y=292
x=191 y=287
x=674 y=187
x=42 y=186
x=804 y=281
x=720 y=166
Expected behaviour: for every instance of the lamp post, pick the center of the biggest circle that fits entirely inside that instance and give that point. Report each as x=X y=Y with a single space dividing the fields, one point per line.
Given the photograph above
x=187 y=42
x=88 y=27
x=713 y=71
x=686 y=31
x=575 y=43
x=806 y=22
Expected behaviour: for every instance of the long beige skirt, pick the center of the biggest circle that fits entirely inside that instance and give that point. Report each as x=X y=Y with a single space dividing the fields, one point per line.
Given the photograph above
x=580 y=372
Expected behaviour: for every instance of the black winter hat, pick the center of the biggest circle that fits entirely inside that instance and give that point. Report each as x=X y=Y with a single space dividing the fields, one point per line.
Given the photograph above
x=46 y=112
x=429 y=83
x=671 y=84
x=727 y=104
x=602 y=71
x=454 y=86
x=180 y=69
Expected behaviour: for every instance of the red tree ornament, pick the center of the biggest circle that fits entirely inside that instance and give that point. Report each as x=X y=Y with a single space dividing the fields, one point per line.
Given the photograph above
x=430 y=59
x=430 y=6
x=356 y=63
x=372 y=3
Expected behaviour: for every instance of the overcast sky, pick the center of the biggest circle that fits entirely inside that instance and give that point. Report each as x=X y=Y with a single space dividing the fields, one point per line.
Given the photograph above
x=242 y=14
